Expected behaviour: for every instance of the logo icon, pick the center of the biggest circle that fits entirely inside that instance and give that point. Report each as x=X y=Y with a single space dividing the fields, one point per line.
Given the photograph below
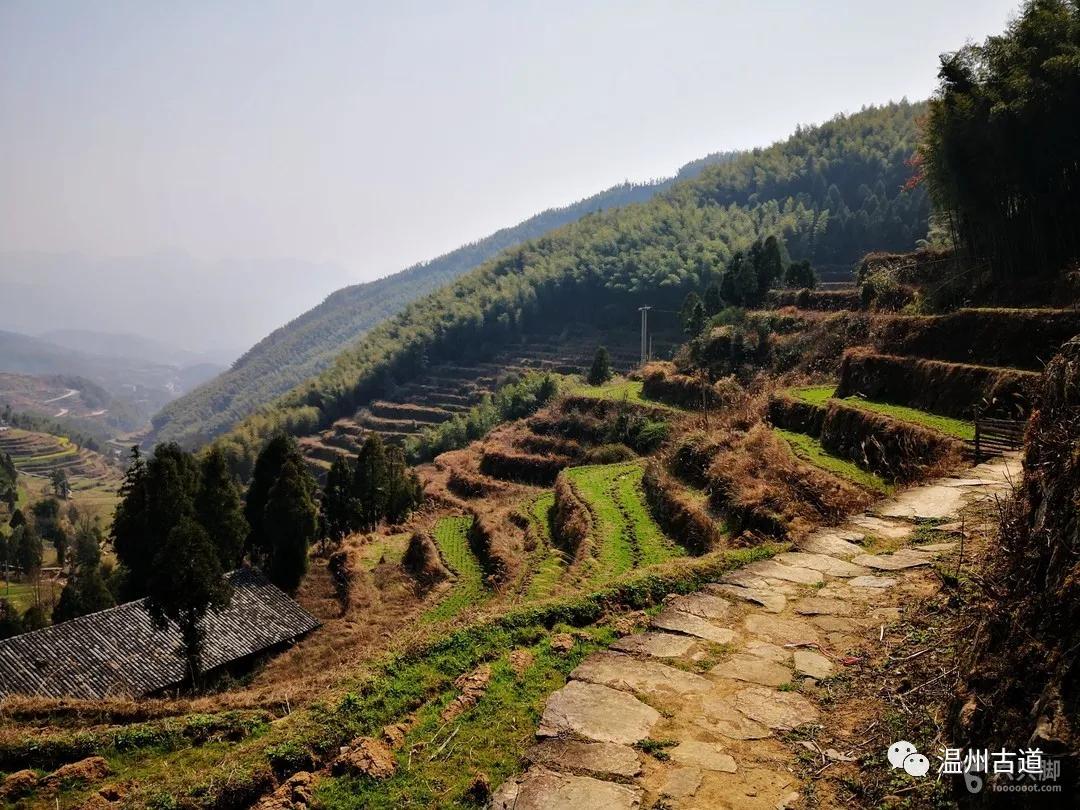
x=903 y=754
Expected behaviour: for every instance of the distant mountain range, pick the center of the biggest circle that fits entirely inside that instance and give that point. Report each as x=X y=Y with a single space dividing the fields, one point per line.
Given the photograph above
x=307 y=345
x=120 y=392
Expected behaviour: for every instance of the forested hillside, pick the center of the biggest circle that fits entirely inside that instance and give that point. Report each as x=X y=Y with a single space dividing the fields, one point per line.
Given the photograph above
x=820 y=191
x=307 y=345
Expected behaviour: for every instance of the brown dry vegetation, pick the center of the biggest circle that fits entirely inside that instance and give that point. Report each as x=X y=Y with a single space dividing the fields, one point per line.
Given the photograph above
x=572 y=526
x=678 y=514
x=897 y=451
x=1023 y=666
x=663 y=382
x=819 y=300
x=951 y=389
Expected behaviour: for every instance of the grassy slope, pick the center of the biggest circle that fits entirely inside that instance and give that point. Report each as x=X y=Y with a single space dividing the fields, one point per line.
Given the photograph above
x=809 y=449
x=958 y=428
x=619 y=388
x=451 y=535
x=549 y=561
x=628 y=537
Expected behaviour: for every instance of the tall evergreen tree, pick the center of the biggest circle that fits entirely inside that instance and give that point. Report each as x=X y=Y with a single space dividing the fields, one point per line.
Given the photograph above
x=712 y=300
x=600 y=371
x=280 y=450
x=403 y=489
x=769 y=266
x=369 y=484
x=186 y=583
x=156 y=496
x=800 y=275
x=219 y=509
x=28 y=552
x=291 y=523
x=337 y=507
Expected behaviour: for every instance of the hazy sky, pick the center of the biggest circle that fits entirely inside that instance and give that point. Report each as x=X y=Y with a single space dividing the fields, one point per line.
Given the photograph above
x=373 y=135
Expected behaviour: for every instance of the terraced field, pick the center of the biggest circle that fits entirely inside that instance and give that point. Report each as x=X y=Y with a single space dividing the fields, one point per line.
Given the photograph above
x=452 y=538
x=549 y=563
x=626 y=535
x=450 y=389
x=809 y=449
x=957 y=428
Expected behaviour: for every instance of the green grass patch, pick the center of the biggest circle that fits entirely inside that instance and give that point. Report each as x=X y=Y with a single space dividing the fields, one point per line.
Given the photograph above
x=814 y=394
x=20 y=594
x=957 y=428
x=809 y=449
x=550 y=563
x=627 y=536
x=452 y=537
x=619 y=388
x=439 y=761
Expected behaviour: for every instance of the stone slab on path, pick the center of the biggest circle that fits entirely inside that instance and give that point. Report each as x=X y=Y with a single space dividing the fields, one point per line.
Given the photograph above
x=771 y=569
x=752 y=669
x=889 y=529
x=706 y=756
x=813 y=664
x=780 y=631
x=836 y=543
x=680 y=783
x=657 y=645
x=821 y=562
x=935 y=501
x=783 y=711
x=541 y=789
x=597 y=713
x=602 y=759
x=719 y=715
x=897 y=561
x=688 y=624
x=815 y=605
x=645 y=677
x=705 y=605
x=770 y=600
x=872 y=582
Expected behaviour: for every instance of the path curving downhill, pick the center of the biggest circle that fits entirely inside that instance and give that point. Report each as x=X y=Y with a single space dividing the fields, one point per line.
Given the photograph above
x=710 y=684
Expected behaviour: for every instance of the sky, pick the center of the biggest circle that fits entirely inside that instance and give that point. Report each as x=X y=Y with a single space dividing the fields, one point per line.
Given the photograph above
x=369 y=136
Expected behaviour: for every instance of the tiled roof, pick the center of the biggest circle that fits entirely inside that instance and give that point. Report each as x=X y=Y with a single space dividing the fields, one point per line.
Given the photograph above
x=119 y=651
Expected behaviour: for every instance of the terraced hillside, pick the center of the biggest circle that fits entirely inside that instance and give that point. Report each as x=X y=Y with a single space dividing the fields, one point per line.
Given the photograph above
x=446 y=390
x=94 y=481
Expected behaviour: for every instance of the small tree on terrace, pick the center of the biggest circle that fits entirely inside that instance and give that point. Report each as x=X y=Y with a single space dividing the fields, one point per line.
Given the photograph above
x=403 y=489
x=600 y=371
x=186 y=583
x=60 y=485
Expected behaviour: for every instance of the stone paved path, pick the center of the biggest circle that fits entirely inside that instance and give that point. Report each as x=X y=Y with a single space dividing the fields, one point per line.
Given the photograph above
x=769 y=624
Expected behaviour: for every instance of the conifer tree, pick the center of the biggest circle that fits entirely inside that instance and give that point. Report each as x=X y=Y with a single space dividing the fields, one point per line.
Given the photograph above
x=268 y=466
x=712 y=300
x=337 y=507
x=403 y=488
x=186 y=583
x=691 y=313
x=219 y=509
x=800 y=275
x=369 y=484
x=10 y=620
x=600 y=371
x=28 y=552
x=291 y=523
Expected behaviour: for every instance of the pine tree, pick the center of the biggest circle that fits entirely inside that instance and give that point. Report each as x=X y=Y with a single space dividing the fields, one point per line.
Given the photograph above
x=691 y=313
x=403 y=489
x=769 y=266
x=268 y=466
x=600 y=371
x=369 y=484
x=291 y=523
x=219 y=509
x=187 y=582
x=337 y=507
x=155 y=497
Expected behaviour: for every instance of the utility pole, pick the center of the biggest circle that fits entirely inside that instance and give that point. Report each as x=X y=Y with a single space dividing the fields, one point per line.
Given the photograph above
x=644 y=332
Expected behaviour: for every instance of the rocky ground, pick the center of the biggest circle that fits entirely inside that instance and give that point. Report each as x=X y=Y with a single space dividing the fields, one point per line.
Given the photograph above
x=722 y=701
